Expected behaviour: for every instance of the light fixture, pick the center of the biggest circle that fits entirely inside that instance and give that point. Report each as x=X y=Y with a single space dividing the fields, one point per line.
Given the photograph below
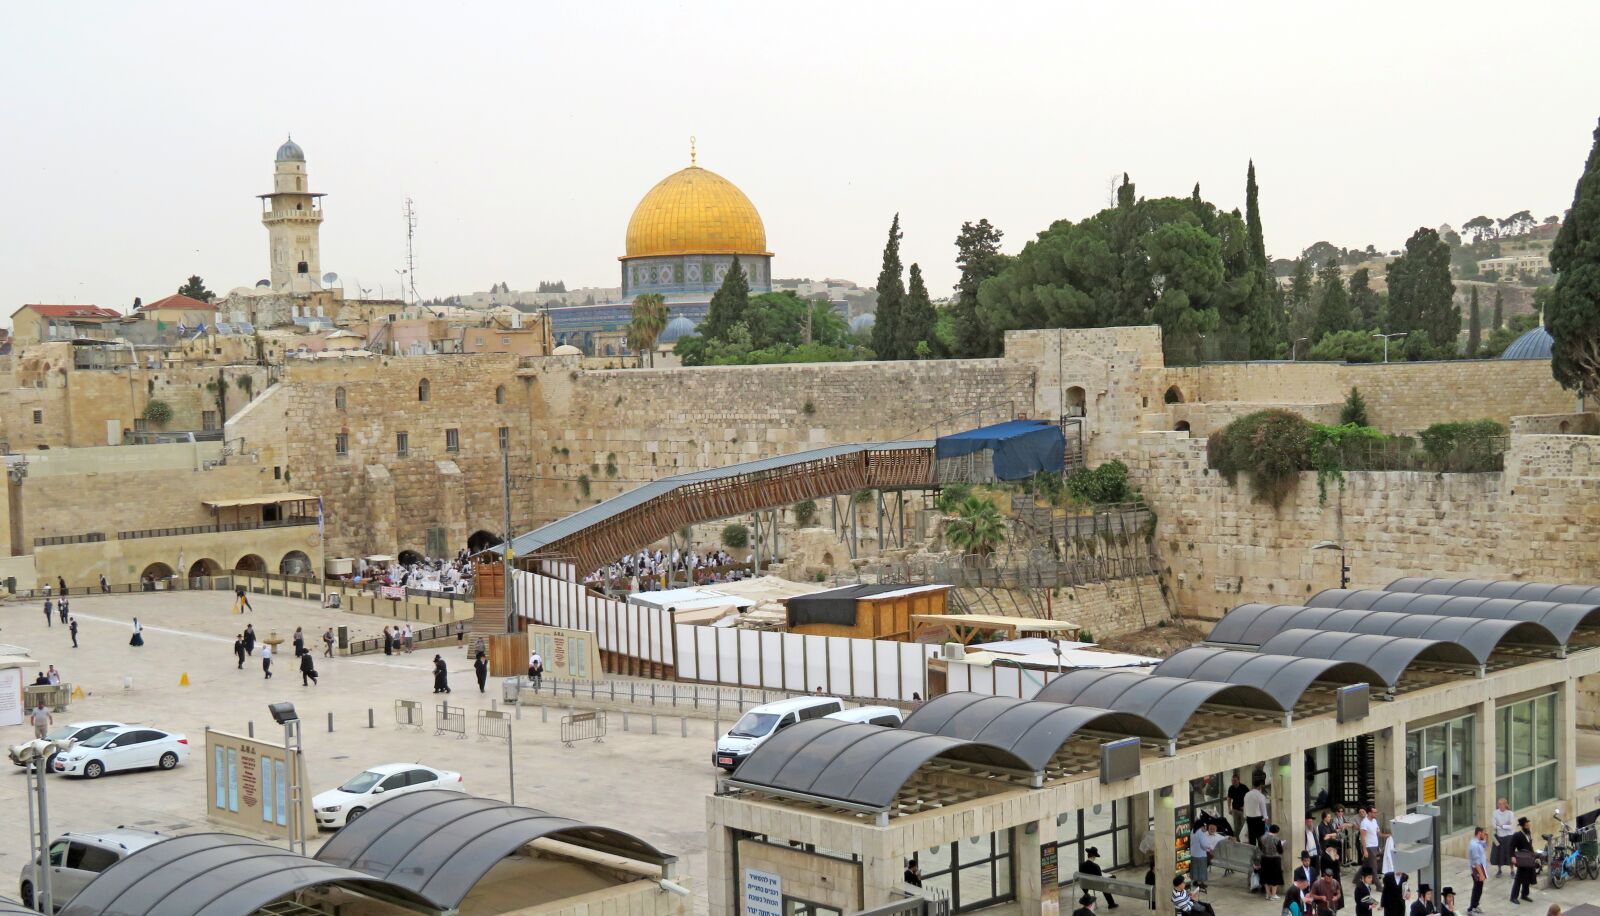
x=282 y=713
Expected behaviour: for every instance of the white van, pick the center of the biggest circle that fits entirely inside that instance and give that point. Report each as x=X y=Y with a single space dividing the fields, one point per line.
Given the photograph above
x=887 y=716
x=762 y=722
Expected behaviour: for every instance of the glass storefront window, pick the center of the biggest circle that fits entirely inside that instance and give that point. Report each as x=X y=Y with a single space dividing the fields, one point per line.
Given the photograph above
x=1105 y=827
x=1525 y=751
x=1448 y=746
x=975 y=872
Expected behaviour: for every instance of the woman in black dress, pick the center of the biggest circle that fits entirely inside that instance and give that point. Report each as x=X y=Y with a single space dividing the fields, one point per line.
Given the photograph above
x=441 y=677
x=480 y=667
x=388 y=642
x=138 y=634
x=1271 y=867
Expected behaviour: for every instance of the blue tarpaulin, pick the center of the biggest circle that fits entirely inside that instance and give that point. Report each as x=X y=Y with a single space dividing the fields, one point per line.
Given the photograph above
x=1021 y=448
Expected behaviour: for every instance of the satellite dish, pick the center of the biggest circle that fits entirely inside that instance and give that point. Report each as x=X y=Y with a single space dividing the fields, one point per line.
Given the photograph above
x=263 y=283
x=330 y=278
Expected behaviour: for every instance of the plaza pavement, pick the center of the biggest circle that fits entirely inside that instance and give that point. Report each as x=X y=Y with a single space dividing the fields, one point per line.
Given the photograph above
x=651 y=785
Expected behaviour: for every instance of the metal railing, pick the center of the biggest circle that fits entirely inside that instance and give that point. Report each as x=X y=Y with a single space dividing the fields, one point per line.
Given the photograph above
x=583 y=726
x=92 y=537
x=494 y=724
x=450 y=720
x=408 y=714
x=292 y=521
x=418 y=635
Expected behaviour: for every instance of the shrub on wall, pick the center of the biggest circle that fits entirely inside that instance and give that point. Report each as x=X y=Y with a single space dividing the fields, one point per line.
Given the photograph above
x=1269 y=445
x=1354 y=409
x=1107 y=483
x=735 y=536
x=1471 y=445
x=158 y=412
x=1333 y=449
x=805 y=513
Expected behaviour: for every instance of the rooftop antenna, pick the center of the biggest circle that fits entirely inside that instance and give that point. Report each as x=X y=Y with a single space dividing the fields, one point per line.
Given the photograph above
x=691 y=152
x=411 y=257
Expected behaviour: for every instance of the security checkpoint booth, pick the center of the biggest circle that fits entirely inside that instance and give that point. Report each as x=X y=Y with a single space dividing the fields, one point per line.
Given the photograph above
x=996 y=799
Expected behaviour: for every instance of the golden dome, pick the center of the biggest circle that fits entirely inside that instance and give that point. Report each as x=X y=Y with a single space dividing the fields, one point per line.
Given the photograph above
x=695 y=211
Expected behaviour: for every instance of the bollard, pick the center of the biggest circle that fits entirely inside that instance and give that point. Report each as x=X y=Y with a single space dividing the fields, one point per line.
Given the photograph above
x=652 y=723
x=630 y=691
x=716 y=727
x=330 y=722
x=683 y=727
x=250 y=729
x=494 y=704
x=369 y=717
x=544 y=714
x=624 y=720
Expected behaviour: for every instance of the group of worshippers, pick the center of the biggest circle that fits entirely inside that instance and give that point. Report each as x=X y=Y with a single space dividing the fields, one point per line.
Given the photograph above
x=649 y=571
x=452 y=576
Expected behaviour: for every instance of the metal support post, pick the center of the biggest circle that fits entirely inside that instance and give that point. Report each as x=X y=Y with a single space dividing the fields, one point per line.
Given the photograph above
x=507 y=593
x=511 y=763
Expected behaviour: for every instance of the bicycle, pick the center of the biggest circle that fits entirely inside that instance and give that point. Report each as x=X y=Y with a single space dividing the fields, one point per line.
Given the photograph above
x=1563 y=853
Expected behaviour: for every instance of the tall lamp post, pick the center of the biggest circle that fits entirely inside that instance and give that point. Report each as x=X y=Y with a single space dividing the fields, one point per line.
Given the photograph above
x=1386 y=338
x=34 y=755
x=284 y=714
x=1344 y=568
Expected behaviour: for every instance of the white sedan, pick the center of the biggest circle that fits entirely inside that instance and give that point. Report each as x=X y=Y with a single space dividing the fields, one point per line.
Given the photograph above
x=129 y=747
x=337 y=807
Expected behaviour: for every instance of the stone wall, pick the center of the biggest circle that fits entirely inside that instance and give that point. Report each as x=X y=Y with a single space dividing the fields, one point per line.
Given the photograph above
x=1111 y=608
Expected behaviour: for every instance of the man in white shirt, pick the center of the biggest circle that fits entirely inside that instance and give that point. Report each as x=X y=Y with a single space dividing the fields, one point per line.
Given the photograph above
x=1255 y=813
x=1369 y=837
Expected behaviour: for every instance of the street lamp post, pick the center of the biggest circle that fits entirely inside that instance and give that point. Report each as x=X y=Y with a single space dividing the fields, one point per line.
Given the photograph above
x=34 y=755
x=284 y=714
x=1344 y=568
x=1294 y=344
x=1386 y=342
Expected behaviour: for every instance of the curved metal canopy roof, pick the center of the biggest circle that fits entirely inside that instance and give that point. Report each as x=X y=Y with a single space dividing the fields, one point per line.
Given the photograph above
x=216 y=874
x=1389 y=656
x=1255 y=624
x=1168 y=702
x=1560 y=618
x=1034 y=730
x=1287 y=677
x=439 y=844
x=858 y=765
x=1498 y=588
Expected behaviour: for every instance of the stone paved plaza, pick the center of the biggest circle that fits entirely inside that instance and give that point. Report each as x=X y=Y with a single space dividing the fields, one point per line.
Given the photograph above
x=652 y=785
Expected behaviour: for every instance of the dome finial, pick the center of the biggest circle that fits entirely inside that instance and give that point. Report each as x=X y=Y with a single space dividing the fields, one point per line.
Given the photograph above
x=691 y=152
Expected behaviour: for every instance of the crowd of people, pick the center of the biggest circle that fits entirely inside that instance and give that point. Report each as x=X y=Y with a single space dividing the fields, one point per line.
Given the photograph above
x=448 y=576
x=649 y=571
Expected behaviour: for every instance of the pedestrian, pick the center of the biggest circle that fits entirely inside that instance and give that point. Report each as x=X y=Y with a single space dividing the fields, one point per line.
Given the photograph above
x=535 y=669
x=441 y=676
x=1236 y=793
x=72 y=628
x=410 y=639
x=239 y=651
x=479 y=646
x=138 y=634
x=241 y=601
x=1255 y=814
x=1423 y=905
x=1368 y=829
x=1478 y=864
x=49 y=613
x=41 y=718
x=104 y=588
x=266 y=662
x=461 y=631
x=327 y=643
x=913 y=875
x=52 y=676
x=63 y=584
x=388 y=642
x=299 y=642
x=249 y=639
x=1200 y=846
x=1525 y=860
x=1271 y=867
x=1394 y=894
x=1085 y=905
x=480 y=667
x=1091 y=866
x=1447 y=901
x=1505 y=821
x=61 y=608
x=1366 y=896
x=308 y=669
x=1326 y=895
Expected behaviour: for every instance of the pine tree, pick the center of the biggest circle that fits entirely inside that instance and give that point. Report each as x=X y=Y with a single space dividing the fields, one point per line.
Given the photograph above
x=195 y=288
x=1354 y=409
x=1265 y=307
x=1363 y=300
x=1474 y=329
x=891 y=298
x=1333 y=302
x=1301 y=302
x=1421 y=295
x=728 y=304
x=1571 y=315
x=1499 y=311
x=917 y=318
x=978 y=255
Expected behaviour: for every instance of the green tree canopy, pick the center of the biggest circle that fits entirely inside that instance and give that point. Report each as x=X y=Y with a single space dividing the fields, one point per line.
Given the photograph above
x=917 y=318
x=195 y=288
x=1573 y=311
x=1421 y=294
x=728 y=304
x=1363 y=300
x=891 y=298
x=648 y=318
x=978 y=255
x=1474 y=326
x=1333 y=300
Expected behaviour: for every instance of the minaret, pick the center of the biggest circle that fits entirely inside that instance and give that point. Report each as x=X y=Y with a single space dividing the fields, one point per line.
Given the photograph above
x=293 y=216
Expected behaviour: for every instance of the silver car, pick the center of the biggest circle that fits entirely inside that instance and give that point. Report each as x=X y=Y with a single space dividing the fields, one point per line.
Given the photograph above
x=77 y=858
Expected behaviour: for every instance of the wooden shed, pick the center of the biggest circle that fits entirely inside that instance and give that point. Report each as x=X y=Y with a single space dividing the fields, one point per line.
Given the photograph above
x=865 y=611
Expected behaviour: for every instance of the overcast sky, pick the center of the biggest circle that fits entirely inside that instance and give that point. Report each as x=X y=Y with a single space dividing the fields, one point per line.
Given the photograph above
x=133 y=136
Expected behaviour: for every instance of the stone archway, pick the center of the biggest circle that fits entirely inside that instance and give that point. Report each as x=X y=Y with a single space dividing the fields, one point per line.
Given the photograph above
x=295 y=563
x=1181 y=426
x=156 y=571
x=1076 y=400
x=204 y=567
x=250 y=563
x=1174 y=395
x=408 y=557
x=481 y=540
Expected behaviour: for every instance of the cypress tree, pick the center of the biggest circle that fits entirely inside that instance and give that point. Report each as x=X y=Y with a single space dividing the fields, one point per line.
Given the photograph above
x=1333 y=302
x=1363 y=301
x=1252 y=219
x=1421 y=295
x=1265 y=308
x=728 y=304
x=917 y=318
x=1571 y=315
x=1499 y=310
x=978 y=255
x=891 y=298
x=1474 y=328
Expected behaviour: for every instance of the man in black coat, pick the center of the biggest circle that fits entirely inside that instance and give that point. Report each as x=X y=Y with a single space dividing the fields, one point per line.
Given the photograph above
x=1365 y=896
x=1085 y=906
x=1394 y=894
x=1090 y=867
x=1306 y=870
x=1522 y=848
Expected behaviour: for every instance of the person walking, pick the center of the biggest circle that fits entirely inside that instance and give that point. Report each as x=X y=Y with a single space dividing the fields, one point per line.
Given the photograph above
x=1255 y=814
x=1394 y=894
x=239 y=651
x=63 y=584
x=1326 y=896
x=1424 y=905
x=388 y=642
x=480 y=667
x=72 y=627
x=441 y=676
x=41 y=719
x=1271 y=867
x=299 y=642
x=1505 y=825
x=308 y=669
x=138 y=634
x=1524 y=860
x=1366 y=896
x=61 y=608
x=105 y=587
x=266 y=662
x=461 y=631
x=327 y=643
x=536 y=669
x=241 y=601
x=49 y=613
x=249 y=639
x=1236 y=793
x=1478 y=865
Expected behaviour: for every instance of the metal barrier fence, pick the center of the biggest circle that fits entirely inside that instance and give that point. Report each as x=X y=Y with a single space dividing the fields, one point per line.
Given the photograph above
x=583 y=726
x=54 y=696
x=492 y=723
x=418 y=635
x=644 y=693
x=450 y=720
x=408 y=714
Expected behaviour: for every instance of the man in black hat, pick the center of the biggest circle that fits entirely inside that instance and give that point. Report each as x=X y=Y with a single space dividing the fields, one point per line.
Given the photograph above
x=1447 y=901
x=1305 y=870
x=1522 y=852
x=1091 y=867
x=1423 y=905
x=1365 y=896
x=1085 y=906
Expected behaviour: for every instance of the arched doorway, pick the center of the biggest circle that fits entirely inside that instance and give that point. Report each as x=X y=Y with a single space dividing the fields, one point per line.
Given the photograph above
x=481 y=540
x=204 y=568
x=156 y=571
x=250 y=563
x=408 y=557
x=1174 y=395
x=295 y=563
x=1075 y=401
x=1182 y=426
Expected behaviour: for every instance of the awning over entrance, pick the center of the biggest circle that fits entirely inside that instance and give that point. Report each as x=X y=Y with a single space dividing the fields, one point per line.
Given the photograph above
x=264 y=500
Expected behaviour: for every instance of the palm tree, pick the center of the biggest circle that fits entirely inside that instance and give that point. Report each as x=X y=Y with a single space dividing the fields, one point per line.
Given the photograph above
x=648 y=320
x=977 y=526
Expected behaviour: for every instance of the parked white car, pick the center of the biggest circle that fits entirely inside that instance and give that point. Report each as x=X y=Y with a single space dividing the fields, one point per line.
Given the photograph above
x=337 y=807
x=74 y=731
x=78 y=858
x=127 y=747
x=762 y=722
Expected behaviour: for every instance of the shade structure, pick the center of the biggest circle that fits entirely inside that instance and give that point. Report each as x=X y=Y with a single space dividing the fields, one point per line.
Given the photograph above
x=1286 y=677
x=1166 y=702
x=857 y=765
x=1034 y=730
x=1498 y=588
x=217 y=874
x=1021 y=448
x=1562 y=619
x=1389 y=656
x=438 y=844
x=1255 y=624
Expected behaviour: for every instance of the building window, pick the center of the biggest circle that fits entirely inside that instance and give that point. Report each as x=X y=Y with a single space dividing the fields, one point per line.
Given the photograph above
x=208 y=419
x=974 y=871
x=499 y=394
x=1525 y=742
x=140 y=424
x=422 y=390
x=38 y=417
x=1448 y=746
x=341 y=443
x=505 y=438
x=338 y=398
x=1105 y=827
x=452 y=440
x=402 y=444
x=277 y=472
